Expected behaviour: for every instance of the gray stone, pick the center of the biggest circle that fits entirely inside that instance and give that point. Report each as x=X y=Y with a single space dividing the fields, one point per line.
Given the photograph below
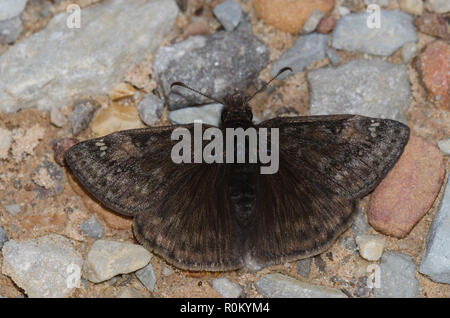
x=282 y=286
x=353 y=34
x=3 y=237
x=107 y=259
x=92 y=228
x=147 y=277
x=334 y=57
x=360 y=225
x=397 y=277
x=166 y=271
x=215 y=64
x=312 y=22
x=48 y=178
x=57 y=64
x=409 y=51
x=150 y=109
x=229 y=13
x=57 y=118
x=209 y=114
x=444 y=146
x=11 y=8
x=10 y=30
x=5 y=142
x=12 y=209
x=436 y=259
x=82 y=113
x=371 y=88
x=304 y=267
x=307 y=49
x=46 y=267
x=226 y=288
x=439 y=6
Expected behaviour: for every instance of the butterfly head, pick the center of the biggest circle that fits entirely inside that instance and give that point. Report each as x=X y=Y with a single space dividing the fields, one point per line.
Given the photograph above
x=236 y=109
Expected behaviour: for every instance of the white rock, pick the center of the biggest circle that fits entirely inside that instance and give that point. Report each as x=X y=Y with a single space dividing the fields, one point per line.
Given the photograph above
x=226 y=288
x=370 y=246
x=439 y=6
x=57 y=118
x=444 y=146
x=5 y=142
x=412 y=6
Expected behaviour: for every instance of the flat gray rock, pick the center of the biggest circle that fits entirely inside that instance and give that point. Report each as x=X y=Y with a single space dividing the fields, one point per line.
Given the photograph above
x=436 y=259
x=3 y=237
x=45 y=267
x=229 y=13
x=11 y=8
x=92 y=228
x=282 y=286
x=226 y=288
x=352 y=33
x=208 y=114
x=55 y=65
x=371 y=88
x=215 y=65
x=150 y=109
x=147 y=277
x=10 y=30
x=397 y=277
x=306 y=49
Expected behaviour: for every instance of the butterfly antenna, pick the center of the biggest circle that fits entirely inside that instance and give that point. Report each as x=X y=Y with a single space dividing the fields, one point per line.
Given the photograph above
x=284 y=69
x=194 y=90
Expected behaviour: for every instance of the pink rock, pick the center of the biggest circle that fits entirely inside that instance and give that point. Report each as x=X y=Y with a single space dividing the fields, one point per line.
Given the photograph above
x=409 y=189
x=326 y=25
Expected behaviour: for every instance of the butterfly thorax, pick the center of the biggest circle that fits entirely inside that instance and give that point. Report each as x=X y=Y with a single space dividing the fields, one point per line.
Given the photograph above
x=237 y=112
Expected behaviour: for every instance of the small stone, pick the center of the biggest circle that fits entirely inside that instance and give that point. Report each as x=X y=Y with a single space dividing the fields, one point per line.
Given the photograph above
x=307 y=49
x=5 y=142
x=373 y=88
x=444 y=146
x=436 y=259
x=121 y=90
x=320 y=263
x=409 y=51
x=60 y=146
x=343 y=11
x=150 y=109
x=44 y=267
x=25 y=141
x=12 y=209
x=3 y=237
x=397 y=277
x=312 y=22
x=326 y=25
x=352 y=33
x=289 y=15
x=198 y=27
x=49 y=179
x=218 y=75
x=166 y=271
x=147 y=277
x=115 y=118
x=414 y=7
x=226 y=288
x=282 y=286
x=360 y=225
x=361 y=288
x=333 y=56
x=304 y=267
x=83 y=111
x=57 y=118
x=433 y=24
x=434 y=65
x=209 y=114
x=11 y=8
x=370 y=246
x=92 y=228
x=229 y=13
x=439 y=6
x=10 y=30
x=409 y=189
x=129 y=292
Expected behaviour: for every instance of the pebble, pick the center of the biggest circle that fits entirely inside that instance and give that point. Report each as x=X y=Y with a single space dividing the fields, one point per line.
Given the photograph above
x=107 y=259
x=444 y=146
x=304 y=267
x=209 y=114
x=406 y=194
x=217 y=74
x=25 y=141
x=326 y=25
x=44 y=267
x=57 y=118
x=352 y=34
x=414 y=7
x=150 y=109
x=439 y=6
x=409 y=51
x=436 y=259
x=92 y=228
x=289 y=15
x=49 y=179
x=333 y=56
x=5 y=142
x=434 y=65
x=226 y=288
x=12 y=209
x=10 y=30
x=343 y=11
x=11 y=8
x=60 y=146
x=121 y=90
x=397 y=277
x=306 y=49
x=166 y=271
x=147 y=277
x=115 y=118
x=37 y=79
x=3 y=237
x=370 y=246
x=312 y=22
x=433 y=24
x=282 y=286
x=129 y=292
x=82 y=113
x=360 y=225
x=229 y=13
x=371 y=88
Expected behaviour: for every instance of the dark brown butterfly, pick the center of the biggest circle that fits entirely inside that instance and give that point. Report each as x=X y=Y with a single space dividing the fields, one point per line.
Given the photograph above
x=219 y=217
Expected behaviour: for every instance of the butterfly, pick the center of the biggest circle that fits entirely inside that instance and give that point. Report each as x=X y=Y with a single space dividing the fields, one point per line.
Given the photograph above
x=226 y=216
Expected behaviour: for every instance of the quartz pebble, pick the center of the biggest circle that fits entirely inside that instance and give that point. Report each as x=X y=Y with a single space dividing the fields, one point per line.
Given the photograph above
x=370 y=246
x=226 y=288
x=5 y=142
